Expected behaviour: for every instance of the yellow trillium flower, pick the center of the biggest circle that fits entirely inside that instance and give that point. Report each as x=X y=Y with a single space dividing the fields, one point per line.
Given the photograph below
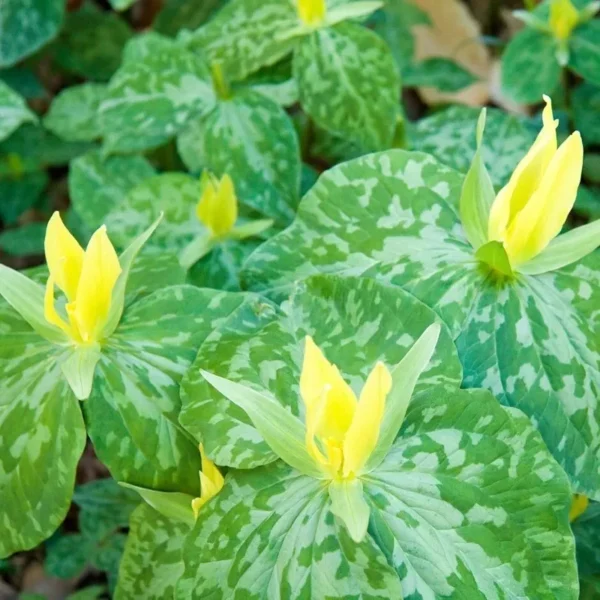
x=211 y=482
x=341 y=431
x=529 y=212
x=578 y=506
x=311 y=12
x=87 y=279
x=218 y=205
x=564 y=17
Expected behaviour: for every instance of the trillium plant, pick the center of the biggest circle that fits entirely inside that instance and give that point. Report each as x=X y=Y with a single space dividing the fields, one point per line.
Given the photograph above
x=315 y=350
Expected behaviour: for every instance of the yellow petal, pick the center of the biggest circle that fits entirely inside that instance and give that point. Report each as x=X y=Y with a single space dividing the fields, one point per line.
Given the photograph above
x=99 y=274
x=545 y=214
x=579 y=505
x=50 y=313
x=363 y=434
x=218 y=206
x=563 y=18
x=329 y=400
x=526 y=178
x=211 y=482
x=64 y=256
x=312 y=12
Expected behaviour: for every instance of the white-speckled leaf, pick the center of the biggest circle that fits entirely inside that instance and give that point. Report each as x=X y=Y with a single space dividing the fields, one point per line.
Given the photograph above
x=467 y=504
x=73 y=114
x=152 y=563
x=133 y=409
x=26 y=25
x=535 y=343
x=13 y=110
x=252 y=139
x=97 y=184
x=150 y=100
x=355 y=321
x=449 y=135
x=348 y=83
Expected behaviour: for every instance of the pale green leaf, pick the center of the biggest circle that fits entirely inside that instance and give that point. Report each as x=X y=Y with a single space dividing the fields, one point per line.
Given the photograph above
x=494 y=256
x=282 y=431
x=404 y=379
x=79 y=367
x=584 y=57
x=565 y=249
x=250 y=229
x=477 y=195
x=27 y=298
x=174 y=506
x=349 y=505
x=199 y=247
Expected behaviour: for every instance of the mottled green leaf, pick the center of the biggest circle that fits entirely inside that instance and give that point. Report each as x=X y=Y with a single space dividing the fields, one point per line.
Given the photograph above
x=394 y=23
x=26 y=25
x=586 y=530
x=246 y=35
x=25 y=82
x=348 y=83
x=584 y=57
x=440 y=73
x=25 y=240
x=282 y=542
x=67 y=555
x=262 y=347
x=36 y=148
x=91 y=42
x=133 y=409
x=586 y=111
x=172 y=505
x=529 y=66
x=73 y=114
x=97 y=184
x=150 y=100
x=184 y=14
x=152 y=563
x=42 y=432
x=19 y=193
x=449 y=135
x=534 y=341
x=175 y=195
x=468 y=504
x=13 y=110
x=252 y=139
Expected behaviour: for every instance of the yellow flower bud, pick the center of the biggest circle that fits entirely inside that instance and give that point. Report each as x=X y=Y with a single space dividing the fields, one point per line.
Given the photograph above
x=87 y=279
x=347 y=429
x=563 y=18
x=211 y=482
x=312 y=12
x=218 y=205
x=529 y=212
x=579 y=505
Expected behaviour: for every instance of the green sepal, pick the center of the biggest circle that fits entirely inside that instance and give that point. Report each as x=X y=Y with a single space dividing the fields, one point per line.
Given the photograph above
x=494 y=256
x=404 y=378
x=196 y=249
x=477 y=194
x=79 y=368
x=349 y=505
x=531 y=20
x=588 y=12
x=250 y=229
x=27 y=298
x=173 y=505
x=126 y=261
x=565 y=249
x=282 y=431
